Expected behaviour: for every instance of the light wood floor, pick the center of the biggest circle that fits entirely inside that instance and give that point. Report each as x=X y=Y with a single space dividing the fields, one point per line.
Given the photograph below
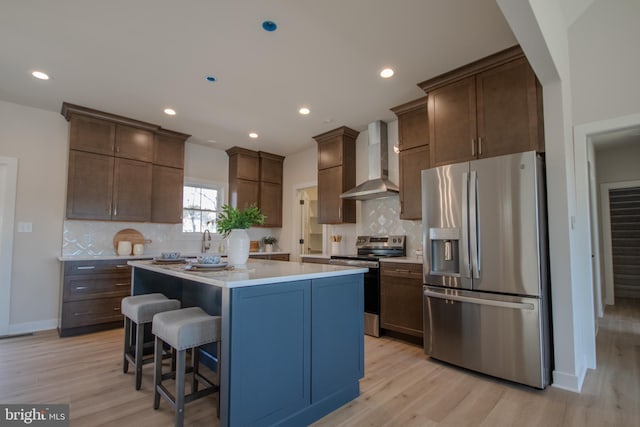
x=401 y=387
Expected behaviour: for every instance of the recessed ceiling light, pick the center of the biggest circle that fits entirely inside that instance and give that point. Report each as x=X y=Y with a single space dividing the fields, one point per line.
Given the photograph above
x=387 y=73
x=304 y=111
x=253 y=135
x=40 y=75
x=211 y=79
x=269 y=26
x=170 y=111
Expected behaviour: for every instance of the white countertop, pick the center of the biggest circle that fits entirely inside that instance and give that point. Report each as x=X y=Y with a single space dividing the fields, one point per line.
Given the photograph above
x=257 y=272
x=319 y=256
x=403 y=259
x=147 y=256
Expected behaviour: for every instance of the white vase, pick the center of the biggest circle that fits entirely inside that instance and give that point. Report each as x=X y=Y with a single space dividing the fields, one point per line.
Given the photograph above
x=268 y=247
x=238 y=247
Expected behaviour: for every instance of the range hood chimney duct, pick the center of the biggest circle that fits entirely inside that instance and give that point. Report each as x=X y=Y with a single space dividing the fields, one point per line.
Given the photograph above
x=378 y=184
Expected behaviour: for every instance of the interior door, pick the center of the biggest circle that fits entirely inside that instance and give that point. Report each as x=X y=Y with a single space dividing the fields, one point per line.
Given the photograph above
x=506 y=250
x=8 y=182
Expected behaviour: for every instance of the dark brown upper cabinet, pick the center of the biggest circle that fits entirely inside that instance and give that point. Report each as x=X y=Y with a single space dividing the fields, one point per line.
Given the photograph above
x=271 y=166
x=133 y=143
x=413 y=128
x=413 y=143
x=255 y=178
x=336 y=174
x=169 y=149
x=488 y=108
x=166 y=194
x=112 y=168
x=244 y=177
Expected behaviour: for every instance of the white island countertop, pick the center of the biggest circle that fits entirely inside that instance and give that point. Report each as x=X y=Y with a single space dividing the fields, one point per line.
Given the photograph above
x=256 y=272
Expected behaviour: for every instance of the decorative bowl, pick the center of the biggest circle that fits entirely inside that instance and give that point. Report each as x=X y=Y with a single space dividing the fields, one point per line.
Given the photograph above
x=170 y=255
x=209 y=259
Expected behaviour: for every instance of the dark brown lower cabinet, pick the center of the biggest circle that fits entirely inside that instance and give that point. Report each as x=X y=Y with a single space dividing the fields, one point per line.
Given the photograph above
x=91 y=295
x=401 y=298
x=272 y=257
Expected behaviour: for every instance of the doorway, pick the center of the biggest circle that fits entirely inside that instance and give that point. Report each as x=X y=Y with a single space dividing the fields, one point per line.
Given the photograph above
x=311 y=233
x=8 y=183
x=620 y=205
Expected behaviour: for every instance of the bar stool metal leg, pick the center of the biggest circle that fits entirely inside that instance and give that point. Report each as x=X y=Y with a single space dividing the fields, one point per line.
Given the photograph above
x=127 y=344
x=139 y=354
x=157 y=373
x=180 y=374
x=195 y=362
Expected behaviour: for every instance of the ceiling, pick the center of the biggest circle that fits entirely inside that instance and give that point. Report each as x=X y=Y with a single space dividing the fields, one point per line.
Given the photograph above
x=135 y=58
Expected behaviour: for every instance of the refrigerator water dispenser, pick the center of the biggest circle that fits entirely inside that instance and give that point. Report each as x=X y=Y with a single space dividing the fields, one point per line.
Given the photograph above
x=445 y=244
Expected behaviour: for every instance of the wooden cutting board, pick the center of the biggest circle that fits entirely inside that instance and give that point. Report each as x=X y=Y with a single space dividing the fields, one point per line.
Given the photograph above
x=129 y=234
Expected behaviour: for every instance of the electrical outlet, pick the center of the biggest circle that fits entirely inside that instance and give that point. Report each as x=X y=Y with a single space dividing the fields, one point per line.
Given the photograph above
x=25 y=227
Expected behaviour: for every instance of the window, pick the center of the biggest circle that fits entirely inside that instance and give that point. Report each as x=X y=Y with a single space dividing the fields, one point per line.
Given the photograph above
x=200 y=204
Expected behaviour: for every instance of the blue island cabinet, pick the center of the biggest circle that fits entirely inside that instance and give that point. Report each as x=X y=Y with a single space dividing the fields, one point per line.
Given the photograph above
x=296 y=350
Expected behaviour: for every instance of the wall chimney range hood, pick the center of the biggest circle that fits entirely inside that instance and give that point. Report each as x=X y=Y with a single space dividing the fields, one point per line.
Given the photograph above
x=378 y=184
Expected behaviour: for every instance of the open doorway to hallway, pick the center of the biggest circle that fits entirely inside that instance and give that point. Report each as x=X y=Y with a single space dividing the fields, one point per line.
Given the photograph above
x=616 y=158
x=311 y=233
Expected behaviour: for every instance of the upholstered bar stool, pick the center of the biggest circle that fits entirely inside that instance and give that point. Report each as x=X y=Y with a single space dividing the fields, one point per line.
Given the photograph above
x=184 y=329
x=139 y=310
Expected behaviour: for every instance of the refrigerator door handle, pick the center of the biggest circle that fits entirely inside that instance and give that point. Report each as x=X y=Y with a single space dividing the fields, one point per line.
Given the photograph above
x=474 y=232
x=481 y=301
x=465 y=224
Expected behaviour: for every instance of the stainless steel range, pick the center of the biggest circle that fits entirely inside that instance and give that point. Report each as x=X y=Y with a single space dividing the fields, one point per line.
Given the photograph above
x=369 y=250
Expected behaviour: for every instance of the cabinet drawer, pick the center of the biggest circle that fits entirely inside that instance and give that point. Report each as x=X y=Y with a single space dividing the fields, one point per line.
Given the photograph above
x=96 y=267
x=405 y=270
x=91 y=312
x=80 y=287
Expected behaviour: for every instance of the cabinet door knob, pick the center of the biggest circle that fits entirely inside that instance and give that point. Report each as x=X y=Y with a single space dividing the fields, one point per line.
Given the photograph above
x=473 y=147
x=480 y=146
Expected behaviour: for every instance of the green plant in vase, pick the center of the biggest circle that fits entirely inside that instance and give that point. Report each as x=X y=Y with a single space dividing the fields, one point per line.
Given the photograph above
x=268 y=243
x=232 y=223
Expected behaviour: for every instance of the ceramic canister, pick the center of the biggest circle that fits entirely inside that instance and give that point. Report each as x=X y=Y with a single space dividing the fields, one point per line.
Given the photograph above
x=124 y=248
x=138 y=249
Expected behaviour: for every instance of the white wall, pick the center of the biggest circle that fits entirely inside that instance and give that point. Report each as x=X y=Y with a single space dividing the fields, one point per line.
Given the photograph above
x=39 y=140
x=541 y=29
x=605 y=64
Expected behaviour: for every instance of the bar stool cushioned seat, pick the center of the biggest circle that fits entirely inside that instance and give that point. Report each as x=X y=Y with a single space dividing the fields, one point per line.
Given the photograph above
x=140 y=310
x=185 y=329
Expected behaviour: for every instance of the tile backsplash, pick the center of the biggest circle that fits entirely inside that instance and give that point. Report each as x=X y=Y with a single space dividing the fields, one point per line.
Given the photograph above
x=95 y=238
x=382 y=216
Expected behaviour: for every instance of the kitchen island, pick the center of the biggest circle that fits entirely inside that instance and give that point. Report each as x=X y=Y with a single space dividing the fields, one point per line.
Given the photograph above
x=292 y=334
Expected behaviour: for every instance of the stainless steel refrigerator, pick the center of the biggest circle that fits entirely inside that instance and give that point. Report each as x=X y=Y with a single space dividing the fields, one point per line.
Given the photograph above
x=485 y=267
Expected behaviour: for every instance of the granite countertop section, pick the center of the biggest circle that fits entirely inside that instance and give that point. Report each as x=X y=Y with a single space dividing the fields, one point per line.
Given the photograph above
x=147 y=256
x=403 y=259
x=255 y=273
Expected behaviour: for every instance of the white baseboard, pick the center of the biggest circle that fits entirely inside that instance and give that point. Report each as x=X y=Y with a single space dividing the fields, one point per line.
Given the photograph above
x=569 y=382
x=28 y=327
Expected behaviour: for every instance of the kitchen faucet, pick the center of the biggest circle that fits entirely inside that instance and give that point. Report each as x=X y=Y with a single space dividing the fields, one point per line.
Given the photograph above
x=206 y=241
